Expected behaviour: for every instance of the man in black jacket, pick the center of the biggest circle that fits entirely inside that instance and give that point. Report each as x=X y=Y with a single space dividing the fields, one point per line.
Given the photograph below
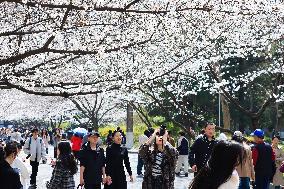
x=182 y=147
x=201 y=149
x=263 y=160
x=92 y=163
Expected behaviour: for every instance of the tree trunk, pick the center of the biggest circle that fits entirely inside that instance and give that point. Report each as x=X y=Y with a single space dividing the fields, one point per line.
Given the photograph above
x=226 y=113
x=95 y=124
x=255 y=122
x=129 y=127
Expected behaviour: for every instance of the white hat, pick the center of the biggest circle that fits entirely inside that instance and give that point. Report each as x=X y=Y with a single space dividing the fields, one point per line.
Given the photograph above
x=222 y=136
x=238 y=133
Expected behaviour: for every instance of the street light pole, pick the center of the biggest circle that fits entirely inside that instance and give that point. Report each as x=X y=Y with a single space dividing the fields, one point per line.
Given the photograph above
x=219 y=109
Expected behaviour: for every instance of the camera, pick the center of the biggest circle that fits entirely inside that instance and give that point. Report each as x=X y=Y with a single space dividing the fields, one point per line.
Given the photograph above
x=163 y=129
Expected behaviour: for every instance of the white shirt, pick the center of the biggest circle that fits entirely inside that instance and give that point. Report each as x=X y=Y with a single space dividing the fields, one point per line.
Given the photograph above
x=232 y=183
x=24 y=171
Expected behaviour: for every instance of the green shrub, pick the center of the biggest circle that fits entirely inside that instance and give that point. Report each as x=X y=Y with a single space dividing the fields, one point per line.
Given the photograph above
x=138 y=130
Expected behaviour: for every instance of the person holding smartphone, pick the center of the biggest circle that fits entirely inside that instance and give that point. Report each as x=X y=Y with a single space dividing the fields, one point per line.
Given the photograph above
x=160 y=161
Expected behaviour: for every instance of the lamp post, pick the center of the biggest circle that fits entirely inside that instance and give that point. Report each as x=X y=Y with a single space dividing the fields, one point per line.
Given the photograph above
x=219 y=124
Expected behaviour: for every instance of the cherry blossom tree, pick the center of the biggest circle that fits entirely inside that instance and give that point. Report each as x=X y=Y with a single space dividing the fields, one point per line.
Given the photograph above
x=79 y=47
x=65 y=48
x=97 y=109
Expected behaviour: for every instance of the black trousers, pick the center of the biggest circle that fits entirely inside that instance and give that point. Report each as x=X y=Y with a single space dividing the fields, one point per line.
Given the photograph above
x=92 y=186
x=139 y=165
x=34 y=165
x=157 y=182
x=55 y=152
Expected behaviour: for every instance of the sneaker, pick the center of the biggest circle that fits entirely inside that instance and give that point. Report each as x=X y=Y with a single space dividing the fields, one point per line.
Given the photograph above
x=32 y=186
x=186 y=174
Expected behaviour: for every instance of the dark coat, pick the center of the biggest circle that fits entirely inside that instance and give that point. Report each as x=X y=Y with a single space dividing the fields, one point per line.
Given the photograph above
x=93 y=161
x=9 y=179
x=200 y=151
x=168 y=166
x=265 y=165
x=115 y=157
x=183 y=147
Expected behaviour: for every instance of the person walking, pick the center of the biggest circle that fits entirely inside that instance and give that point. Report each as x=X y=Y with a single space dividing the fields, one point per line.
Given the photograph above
x=57 y=137
x=16 y=136
x=92 y=163
x=9 y=178
x=142 y=140
x=263 y=161
x=201 y=149
x=220 y=171
x=45 y=137
x=76 y=141
x=182 y=147
x=35 y=149
x=160 y=162
x=245 y=169
x=116 y=155
x=64 y=170
x=278 y=179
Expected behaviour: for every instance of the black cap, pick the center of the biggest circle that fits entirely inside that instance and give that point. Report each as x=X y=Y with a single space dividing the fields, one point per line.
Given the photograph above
x=94 y=134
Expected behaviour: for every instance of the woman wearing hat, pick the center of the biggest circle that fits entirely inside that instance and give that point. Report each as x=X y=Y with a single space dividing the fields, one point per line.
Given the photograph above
x=245 y=169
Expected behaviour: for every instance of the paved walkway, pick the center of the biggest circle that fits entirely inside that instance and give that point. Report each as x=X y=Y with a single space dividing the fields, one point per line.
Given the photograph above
x=45 y=171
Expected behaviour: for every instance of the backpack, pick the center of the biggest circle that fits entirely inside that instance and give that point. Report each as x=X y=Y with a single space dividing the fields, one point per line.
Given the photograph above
x=29 y=148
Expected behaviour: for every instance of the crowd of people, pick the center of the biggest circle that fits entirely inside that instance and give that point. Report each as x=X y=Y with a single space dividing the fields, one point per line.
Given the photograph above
x=217 y=163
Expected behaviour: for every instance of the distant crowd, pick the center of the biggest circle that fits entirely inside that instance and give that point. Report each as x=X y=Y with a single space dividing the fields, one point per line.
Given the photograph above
x=216 y=163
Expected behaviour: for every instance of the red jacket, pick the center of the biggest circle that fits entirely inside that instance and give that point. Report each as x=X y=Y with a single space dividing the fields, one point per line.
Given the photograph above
x=76 y=143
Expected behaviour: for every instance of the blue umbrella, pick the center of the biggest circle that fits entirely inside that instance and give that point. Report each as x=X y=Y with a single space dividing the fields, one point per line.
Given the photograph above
x=80 y=131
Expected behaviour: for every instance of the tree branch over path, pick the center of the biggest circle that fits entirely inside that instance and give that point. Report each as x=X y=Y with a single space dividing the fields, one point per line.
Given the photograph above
x=205 y=8
x=45 y=49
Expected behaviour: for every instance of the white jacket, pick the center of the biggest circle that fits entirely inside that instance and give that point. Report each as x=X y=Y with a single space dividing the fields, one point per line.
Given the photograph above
x=37 y=148
x=24 y=171
x=232 y=183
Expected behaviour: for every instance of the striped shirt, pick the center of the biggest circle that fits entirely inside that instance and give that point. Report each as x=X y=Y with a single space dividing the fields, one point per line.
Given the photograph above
x=157 y=170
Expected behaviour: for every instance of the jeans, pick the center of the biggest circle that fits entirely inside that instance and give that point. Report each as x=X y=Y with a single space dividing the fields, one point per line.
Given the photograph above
x=277 y=187
x=244 y=183
x=34 y=165
x=262 y=182
x=139 y=165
